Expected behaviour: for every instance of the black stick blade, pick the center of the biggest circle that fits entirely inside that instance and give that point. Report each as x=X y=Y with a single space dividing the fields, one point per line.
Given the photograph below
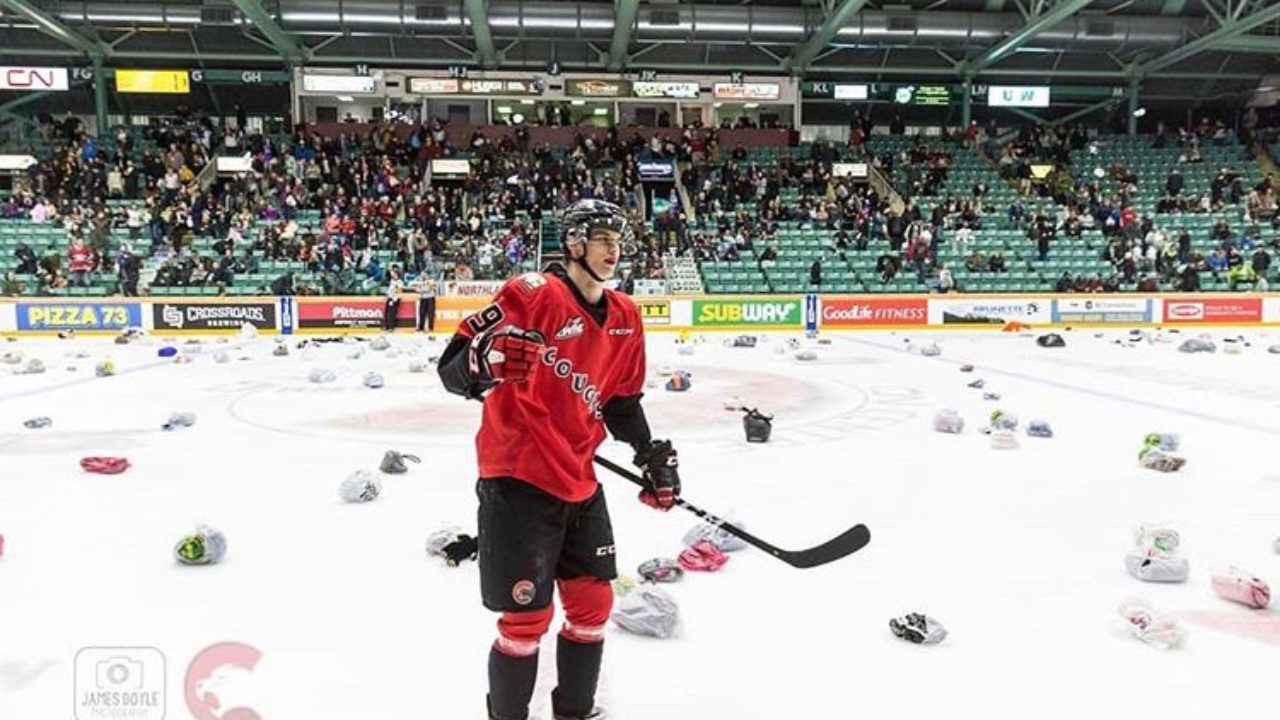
x=843 y=545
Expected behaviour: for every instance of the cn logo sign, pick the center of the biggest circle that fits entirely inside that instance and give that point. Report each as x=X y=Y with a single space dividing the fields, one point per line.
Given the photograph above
x=33 y=78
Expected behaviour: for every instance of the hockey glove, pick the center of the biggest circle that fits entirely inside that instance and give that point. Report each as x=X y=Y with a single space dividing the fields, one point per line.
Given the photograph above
x=504 y=354
x=661 y=474
x=464 y=548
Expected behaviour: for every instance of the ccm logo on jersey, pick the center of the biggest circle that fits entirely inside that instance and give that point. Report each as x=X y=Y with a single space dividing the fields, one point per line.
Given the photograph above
x=605 y=550
x=621 y=331
x=571 y=329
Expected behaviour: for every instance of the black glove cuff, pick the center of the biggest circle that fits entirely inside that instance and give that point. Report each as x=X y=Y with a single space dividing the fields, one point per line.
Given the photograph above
x=656 y=449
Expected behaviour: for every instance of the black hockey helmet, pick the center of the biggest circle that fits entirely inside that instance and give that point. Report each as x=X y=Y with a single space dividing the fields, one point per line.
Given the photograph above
x=586 y=215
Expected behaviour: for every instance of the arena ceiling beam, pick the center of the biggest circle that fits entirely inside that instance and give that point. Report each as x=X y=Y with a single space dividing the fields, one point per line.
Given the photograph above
x=1172 y=7
x=57 y=30
x=1229 y=30
x=822 y=37
x=624 y=22
x=284 y=43
x=481 y=33
x=1250 y=44
x=1060 y=11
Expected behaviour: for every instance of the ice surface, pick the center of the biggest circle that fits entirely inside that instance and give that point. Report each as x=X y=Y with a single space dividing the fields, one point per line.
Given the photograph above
x=1019 y=553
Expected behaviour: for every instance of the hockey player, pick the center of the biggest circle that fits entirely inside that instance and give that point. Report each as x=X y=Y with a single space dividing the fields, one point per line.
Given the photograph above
x=557 y=359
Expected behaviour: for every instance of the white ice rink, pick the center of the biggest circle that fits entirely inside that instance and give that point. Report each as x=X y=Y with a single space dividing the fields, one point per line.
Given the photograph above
x=1019 y=554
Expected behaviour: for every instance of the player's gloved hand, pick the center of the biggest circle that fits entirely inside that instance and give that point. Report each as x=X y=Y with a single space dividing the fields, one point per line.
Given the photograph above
x=464 y=548
x=504 y=354
x=661 y=474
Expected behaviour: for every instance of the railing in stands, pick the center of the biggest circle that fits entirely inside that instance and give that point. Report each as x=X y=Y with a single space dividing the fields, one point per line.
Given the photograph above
x=682 y=274
x=885 y=189
x=208 y=175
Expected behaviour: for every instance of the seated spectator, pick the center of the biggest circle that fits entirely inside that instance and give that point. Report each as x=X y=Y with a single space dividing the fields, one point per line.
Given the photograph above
x=224 y=273
x=11 y=286
x=815 y=273
x=1242 y=274
x=919 y=255
x=52 y=280
x=996 y=263
x=888 y=265
x=1064 y=284
x=1016 y=212
x=1261 y=261
x=248 y=263
x=27 y=260
x=1217 y=262
x=769 y=257
x=946 y=283
x=975 y=262
x=283 y=285
x=1188 y=278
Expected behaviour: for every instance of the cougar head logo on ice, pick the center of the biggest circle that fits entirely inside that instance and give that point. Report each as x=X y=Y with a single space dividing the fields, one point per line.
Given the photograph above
x=571 y=329
x=217 y=678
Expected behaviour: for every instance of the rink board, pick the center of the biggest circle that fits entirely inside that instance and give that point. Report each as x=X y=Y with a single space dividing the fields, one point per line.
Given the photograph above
x=732 y=313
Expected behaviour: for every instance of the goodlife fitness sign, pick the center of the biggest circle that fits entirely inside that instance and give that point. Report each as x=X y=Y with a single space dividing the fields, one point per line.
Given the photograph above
x=871 y=311
x=38 y=79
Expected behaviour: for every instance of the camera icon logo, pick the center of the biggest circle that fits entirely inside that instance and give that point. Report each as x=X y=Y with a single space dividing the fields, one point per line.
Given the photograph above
x=119 y=682
x=119 y=673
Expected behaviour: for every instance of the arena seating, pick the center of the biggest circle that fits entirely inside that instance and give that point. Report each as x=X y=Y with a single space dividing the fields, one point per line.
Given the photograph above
x=800 y=244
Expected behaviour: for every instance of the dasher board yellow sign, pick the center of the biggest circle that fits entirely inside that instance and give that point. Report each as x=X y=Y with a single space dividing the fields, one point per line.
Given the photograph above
x=153 y=81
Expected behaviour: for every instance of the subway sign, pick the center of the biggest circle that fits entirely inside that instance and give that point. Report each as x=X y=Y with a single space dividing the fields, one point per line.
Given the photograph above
x=765 y=313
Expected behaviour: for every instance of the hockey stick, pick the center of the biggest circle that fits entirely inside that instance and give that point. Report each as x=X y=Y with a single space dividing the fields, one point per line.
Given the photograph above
x=844 y=544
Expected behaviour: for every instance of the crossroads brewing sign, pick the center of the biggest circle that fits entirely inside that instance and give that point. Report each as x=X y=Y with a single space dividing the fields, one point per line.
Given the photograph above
x=214 y=315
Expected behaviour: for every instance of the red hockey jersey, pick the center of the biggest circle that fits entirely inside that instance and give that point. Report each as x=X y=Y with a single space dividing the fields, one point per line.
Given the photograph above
x=545 y=431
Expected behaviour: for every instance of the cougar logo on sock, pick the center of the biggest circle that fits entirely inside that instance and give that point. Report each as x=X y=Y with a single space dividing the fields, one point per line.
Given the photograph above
x=571 y=329
x=522 y=592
